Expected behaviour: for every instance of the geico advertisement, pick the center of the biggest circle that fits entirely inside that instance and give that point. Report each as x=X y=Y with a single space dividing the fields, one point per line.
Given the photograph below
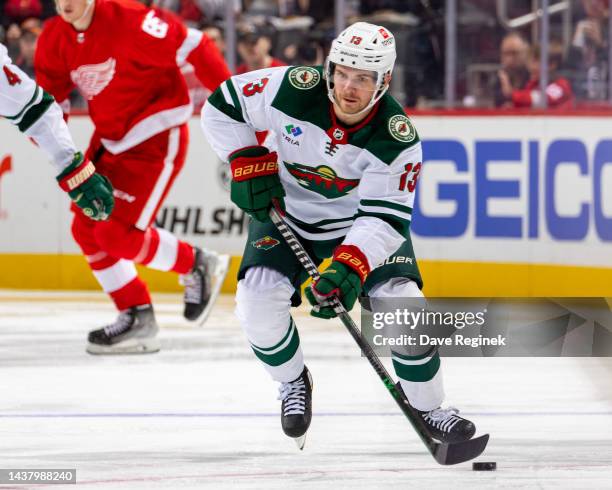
x=515 y=189
x=501 y=189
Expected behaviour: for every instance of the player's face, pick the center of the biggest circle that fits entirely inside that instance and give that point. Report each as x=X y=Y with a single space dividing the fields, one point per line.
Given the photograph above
x=353 y=88
x=71 y=10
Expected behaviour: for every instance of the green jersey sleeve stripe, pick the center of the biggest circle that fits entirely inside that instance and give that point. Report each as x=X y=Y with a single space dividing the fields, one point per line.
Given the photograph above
x=400 y=225
x=217 y=100
x=386 y=204
x=17 y=118
x=35 y=112
x=232 y=90
x=382 y=210
x=323 y=222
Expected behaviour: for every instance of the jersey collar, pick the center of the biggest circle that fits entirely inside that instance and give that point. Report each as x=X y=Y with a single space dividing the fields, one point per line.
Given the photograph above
x=339 y=133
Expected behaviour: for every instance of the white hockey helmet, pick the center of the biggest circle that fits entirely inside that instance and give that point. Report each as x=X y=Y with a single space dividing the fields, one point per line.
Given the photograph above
x=364 y=46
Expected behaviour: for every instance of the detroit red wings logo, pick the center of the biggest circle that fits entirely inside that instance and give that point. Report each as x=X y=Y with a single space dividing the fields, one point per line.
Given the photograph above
x=92 y=79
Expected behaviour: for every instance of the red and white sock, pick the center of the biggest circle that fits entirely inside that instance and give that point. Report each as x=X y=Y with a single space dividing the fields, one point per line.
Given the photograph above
x=161 y=250
x=119 y=279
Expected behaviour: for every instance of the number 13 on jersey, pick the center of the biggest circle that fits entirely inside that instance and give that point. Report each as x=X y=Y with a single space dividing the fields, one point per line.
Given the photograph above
x=409 y=178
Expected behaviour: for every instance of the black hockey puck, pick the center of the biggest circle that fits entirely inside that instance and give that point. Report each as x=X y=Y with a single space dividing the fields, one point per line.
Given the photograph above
x=484 y=466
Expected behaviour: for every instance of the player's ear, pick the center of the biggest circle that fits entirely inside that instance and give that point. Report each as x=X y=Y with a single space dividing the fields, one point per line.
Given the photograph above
x=387 y=79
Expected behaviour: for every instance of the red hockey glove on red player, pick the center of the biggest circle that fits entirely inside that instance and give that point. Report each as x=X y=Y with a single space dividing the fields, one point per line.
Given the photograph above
x=343 y=278
x=255 y=181
x=89 y=190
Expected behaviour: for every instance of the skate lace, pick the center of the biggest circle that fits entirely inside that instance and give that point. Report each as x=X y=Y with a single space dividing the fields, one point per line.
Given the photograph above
x=442 y=418
x=193 y=287
x=122 y=323
x=293 y=395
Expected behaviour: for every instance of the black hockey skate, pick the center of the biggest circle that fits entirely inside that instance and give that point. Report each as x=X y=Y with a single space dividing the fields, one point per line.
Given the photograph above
x=296 y=409
x=203 y=284
x=134 y=332
x=446 y=426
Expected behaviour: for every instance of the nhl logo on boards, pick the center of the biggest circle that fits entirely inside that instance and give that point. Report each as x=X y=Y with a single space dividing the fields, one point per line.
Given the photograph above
x=402 y=129
x=304 y=77
x=265 y=243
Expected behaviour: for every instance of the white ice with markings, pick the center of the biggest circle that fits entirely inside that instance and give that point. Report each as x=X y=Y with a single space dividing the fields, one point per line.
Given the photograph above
x=203 y=414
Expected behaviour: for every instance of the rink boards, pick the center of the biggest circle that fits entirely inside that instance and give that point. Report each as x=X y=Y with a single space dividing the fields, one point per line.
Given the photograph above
x=508 y=206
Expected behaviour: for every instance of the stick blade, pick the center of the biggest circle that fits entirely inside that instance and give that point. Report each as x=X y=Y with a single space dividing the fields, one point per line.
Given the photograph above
x=460 y=452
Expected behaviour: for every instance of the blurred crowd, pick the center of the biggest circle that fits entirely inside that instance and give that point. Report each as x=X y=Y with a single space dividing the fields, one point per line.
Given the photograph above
x=496 y=66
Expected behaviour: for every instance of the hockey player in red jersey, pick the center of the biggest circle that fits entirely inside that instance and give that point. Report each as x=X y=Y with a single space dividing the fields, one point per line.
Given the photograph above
x=125 y=60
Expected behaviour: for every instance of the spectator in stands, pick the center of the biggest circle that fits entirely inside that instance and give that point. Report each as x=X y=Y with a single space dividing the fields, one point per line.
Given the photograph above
x=589 y=51
x=254 y=46
x=558 y=93
x=194 y=12
x=514 y=55
x=16 y=11
x=27 y=47
x=215 y=33
x=13 y=33
x=368 y=7
x=308 y=52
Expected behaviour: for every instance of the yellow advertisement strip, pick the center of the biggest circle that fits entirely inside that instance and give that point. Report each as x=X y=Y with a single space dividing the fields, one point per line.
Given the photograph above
x=70 y=272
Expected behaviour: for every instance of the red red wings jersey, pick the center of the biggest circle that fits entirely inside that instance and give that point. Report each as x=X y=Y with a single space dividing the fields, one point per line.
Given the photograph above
x=559 y=94
x=127 y=66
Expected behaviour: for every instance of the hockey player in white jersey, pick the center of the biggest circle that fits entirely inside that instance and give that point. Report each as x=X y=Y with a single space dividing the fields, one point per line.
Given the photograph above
x=36 y=114
x=345 y=166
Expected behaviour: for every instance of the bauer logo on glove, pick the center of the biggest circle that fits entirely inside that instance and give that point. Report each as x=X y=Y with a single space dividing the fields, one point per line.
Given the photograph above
x=343 y=279
x=249 y=171
x=255 y=181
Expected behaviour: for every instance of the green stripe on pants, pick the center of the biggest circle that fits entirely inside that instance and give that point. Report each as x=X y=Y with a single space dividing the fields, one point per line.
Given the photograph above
x=281 y=352
x=417 y=371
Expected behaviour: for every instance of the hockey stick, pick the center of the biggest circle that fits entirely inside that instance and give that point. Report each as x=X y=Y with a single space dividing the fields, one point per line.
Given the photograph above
x=443 y=453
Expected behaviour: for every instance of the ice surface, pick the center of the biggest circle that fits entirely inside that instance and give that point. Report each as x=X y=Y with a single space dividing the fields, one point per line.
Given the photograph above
x=203 y=414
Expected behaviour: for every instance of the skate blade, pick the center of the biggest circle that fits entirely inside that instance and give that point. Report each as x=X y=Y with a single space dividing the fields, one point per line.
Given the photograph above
x=149 y=346
x=221 y=269
x=300 y=441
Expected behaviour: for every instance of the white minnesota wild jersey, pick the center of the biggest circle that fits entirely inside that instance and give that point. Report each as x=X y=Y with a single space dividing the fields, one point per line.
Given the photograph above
x=356 y=182
x=34 y=112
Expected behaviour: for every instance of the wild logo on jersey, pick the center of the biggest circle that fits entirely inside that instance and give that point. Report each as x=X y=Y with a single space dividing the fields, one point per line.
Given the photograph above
x=322 y=180
x=265 y=243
